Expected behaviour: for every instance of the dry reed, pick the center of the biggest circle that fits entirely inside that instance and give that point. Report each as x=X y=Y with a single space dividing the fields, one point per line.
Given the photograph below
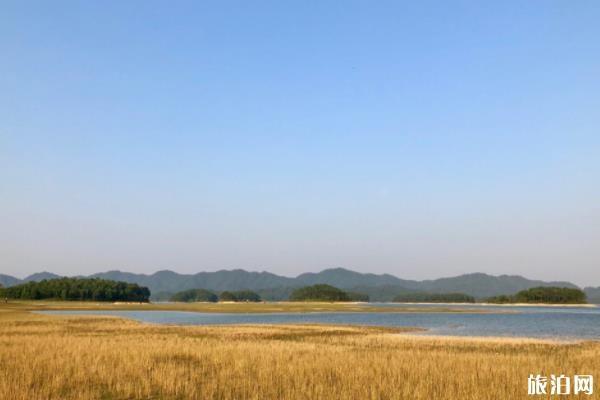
x=78 y=357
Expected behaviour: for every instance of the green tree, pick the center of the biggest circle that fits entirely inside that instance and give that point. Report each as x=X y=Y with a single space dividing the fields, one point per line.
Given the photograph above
x=319 y=292
x=544 y=294
x=193 y=295
x=355 y=296
x=246 y=295
x=240 y=295
x=434 y=298
x=78 y=289
x=227 y=296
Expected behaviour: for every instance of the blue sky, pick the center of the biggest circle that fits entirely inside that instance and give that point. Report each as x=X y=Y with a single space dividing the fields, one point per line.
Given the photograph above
x=422 y=139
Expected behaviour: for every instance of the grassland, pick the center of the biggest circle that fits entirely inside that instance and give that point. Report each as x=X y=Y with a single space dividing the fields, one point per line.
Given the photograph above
x=79 y=357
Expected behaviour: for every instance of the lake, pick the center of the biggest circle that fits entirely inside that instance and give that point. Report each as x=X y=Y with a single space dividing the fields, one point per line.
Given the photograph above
x=536 y=322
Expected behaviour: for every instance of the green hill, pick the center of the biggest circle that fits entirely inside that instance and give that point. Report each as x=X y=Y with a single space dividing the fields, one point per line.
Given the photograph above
x=193 y=295
x=240 y=295
x=274 y=287
x=593 y=294
x=7 y=280
x=424 y=297
x=77 y=289
x=319 y=292
x=549 y=295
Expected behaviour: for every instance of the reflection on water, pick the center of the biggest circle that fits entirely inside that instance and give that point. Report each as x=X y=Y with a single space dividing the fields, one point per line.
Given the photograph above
x=541 y=322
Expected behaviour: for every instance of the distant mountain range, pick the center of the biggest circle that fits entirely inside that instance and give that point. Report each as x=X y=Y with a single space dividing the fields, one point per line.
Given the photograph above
x=7 y=280
x=274 y=287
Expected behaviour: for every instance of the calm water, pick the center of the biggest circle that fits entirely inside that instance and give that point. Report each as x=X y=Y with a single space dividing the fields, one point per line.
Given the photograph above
x=541 y=322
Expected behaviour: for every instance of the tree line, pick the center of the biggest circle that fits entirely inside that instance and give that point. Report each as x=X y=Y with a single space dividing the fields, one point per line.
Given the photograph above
x=97 y=289
x=77 y=289
x=203 y=295
x=315 y=293
x=323 y=292
x=318 y=292
x=423 y=297
x=543 y=294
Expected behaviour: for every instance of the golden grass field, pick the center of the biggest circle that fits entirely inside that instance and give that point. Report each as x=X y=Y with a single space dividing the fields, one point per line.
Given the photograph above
x=267 y=307
x=80 y=357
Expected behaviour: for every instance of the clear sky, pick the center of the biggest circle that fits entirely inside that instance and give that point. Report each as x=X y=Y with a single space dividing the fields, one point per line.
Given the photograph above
x=422 y=139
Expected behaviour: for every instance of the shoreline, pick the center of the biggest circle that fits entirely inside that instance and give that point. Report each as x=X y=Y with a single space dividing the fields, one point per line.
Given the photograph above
x=287 y=307
x=587 y=305
x=412 y=333
x=248 y=308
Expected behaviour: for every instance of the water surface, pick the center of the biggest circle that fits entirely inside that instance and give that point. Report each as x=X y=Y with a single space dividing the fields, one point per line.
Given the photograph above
x=538 y=322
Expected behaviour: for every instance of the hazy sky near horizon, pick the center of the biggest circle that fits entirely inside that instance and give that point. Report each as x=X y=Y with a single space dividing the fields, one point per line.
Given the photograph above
x=422 y=139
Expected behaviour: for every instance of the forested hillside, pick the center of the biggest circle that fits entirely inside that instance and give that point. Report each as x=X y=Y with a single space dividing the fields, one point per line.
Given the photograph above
x=77 y=289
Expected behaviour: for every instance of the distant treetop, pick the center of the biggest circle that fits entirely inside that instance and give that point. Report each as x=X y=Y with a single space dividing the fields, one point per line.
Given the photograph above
x=544 y=294
x=240 y=295
x=319 y=292
x=425 y=297
x=193 y=295
x=78 y=289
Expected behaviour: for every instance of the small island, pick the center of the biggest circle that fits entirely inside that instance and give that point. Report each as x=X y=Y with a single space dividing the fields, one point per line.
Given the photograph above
x=542 y=295
x=195 y=295
x=206 y=296
x=424 y=297
x=77 y=289
x=323 y=292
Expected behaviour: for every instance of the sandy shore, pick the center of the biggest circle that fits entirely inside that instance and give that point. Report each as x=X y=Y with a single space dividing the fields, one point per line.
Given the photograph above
x=540 y=305
x=504 y=304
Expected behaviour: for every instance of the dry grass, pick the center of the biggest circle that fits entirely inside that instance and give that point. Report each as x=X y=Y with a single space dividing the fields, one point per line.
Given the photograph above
x=75 y=357
x=267 y=307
